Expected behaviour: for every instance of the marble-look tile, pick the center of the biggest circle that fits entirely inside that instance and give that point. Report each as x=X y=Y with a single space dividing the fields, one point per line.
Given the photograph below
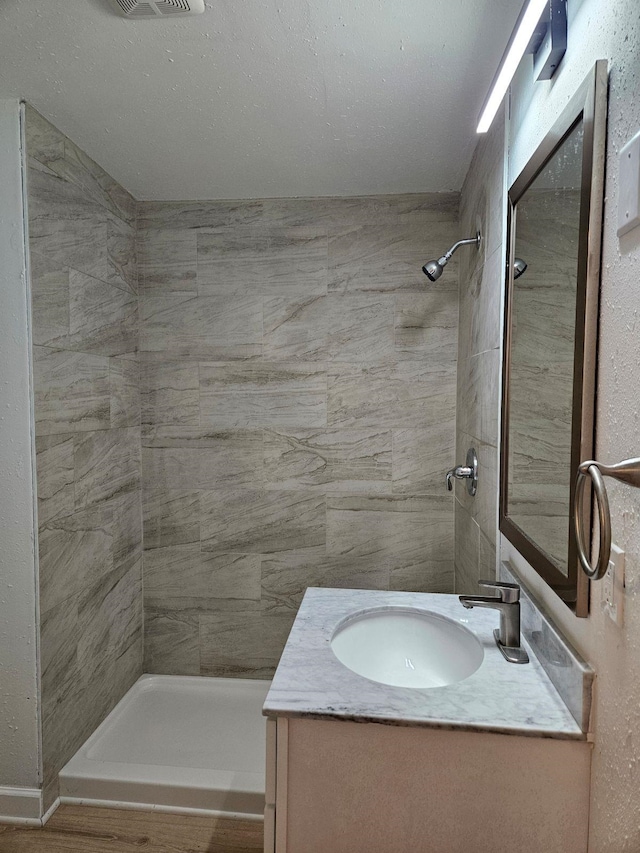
x=328 y=460
x=388 y=256
x=237 y=257
x=167 y=261
x=102 y=319
x=58 y=653
x=122 y=266
x=74 y=551
x=98 y=318
x=231 y=259
x=184 y=458
x=486 y=308
x=483 y=506
x=351 y=328
x=109 y=618
x=295 y=327
x=466 y=553
x=171 y=642
x=55 y=472
x=432 y=576
x=297 y=257
x=426 y=324
x=422 y=457
x=183 y=571
x=49 y=300
x=286 y=576
x=261 y=522
x=71 y=391
x=360 y=328
x=169 y=215
x=409 y=394
x=262 y=395
x=478 y=409
x=170 y=517
x=127 y=529
x=43 y=140
x=245 y=644
x=486 y=558
x=169 y=391
x=107 y=464
x=226 y=325
x=77 y=241
x=405 y=532
x=79 y=169
x=124 y=385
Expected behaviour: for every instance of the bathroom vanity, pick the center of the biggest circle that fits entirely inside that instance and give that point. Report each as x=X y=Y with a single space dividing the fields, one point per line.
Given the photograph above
x=489 y=761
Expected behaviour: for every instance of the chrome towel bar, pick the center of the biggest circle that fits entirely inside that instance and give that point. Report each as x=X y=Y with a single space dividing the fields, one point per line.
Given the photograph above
x=627 y=471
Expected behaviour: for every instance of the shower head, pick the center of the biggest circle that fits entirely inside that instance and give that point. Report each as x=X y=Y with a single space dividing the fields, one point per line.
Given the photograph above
x=519 y=267
x=433 y=269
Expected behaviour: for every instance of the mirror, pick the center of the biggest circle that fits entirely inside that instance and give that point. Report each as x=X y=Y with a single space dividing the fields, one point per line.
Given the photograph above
x=553 y=271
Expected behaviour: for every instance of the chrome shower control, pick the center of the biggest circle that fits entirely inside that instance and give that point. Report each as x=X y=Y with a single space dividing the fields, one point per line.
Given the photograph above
x=468 y=472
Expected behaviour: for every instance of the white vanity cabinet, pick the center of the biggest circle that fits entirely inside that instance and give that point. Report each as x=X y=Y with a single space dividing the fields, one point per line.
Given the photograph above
x=346 y=787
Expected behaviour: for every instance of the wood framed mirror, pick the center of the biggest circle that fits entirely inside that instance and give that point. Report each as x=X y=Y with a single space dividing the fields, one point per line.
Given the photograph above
x=550 y=340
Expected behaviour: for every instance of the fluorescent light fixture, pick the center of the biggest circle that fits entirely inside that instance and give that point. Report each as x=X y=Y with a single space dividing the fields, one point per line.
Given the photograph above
x=518 y=43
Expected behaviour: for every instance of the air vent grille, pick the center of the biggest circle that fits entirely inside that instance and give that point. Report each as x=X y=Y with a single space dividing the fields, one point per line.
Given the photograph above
x=158 y=8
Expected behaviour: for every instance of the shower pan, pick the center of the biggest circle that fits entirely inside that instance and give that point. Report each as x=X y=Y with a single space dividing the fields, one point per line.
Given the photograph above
x=177 y=743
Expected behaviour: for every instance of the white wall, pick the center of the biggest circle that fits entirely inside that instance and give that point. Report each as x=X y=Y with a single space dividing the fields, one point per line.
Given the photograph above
x=19 y=750
x=604 y=30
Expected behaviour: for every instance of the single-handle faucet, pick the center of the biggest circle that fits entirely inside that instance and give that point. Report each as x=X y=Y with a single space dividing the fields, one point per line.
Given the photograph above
x=507 y=601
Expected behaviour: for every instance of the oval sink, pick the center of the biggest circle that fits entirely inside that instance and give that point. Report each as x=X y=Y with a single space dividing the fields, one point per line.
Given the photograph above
x=407 y=647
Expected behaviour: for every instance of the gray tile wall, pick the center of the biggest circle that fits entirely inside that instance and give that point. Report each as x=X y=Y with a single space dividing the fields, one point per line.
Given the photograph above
x=298 y=408
x=87 y=415
x=479 y=359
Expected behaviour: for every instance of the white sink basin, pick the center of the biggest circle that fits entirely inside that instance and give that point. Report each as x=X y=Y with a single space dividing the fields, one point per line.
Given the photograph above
x=407 y=647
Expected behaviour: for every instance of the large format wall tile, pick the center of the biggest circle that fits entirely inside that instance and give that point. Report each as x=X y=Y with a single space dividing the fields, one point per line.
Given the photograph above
x=261 y=522
x=479 y=358
x=406 y=394
x=328 y=460
x=260 y=395
x=87 y=415
x=298 y=402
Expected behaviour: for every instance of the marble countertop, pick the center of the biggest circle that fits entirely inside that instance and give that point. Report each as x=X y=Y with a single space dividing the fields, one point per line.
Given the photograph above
x=499 y=697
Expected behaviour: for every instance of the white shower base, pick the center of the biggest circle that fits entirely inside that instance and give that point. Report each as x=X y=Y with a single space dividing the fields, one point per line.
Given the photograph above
x=177 y=743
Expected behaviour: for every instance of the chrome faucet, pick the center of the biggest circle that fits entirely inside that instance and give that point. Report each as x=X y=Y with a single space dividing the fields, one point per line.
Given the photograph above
x=507 y=602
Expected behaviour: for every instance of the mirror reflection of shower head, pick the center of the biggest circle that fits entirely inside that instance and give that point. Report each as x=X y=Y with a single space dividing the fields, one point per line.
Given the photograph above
x=519 y=267
x=433 y=269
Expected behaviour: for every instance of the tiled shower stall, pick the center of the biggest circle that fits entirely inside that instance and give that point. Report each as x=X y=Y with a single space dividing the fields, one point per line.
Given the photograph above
x=234 y=400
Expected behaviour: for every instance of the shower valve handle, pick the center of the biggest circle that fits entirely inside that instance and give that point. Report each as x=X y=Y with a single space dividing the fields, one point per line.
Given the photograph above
x=468 y=472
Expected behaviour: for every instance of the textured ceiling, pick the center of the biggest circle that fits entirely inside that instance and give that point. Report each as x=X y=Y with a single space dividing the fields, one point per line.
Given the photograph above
x=260 y=98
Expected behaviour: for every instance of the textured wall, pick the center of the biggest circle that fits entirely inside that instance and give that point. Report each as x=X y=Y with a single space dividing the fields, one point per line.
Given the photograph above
x=479 y=358
x=605 y=30
x=19 y=760
x=298 y=406
x=87 y=415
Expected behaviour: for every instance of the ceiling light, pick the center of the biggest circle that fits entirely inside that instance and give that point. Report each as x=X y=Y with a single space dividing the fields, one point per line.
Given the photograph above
x=518 y=43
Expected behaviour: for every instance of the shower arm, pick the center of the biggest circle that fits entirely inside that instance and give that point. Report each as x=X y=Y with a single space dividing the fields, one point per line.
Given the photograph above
x=467 y=242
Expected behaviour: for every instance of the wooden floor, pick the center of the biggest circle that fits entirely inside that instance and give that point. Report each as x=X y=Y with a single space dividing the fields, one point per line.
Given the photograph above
x=81 y=829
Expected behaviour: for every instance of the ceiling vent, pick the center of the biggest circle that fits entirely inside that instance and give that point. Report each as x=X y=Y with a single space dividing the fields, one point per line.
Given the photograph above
x=158 y=8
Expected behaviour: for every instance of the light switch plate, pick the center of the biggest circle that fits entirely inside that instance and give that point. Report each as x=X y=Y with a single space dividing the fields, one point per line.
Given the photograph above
x=629 y=186
x=612 y=601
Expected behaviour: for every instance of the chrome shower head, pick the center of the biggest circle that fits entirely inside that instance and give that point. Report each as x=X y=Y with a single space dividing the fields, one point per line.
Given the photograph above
x=433 y=269
x=519 y=267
